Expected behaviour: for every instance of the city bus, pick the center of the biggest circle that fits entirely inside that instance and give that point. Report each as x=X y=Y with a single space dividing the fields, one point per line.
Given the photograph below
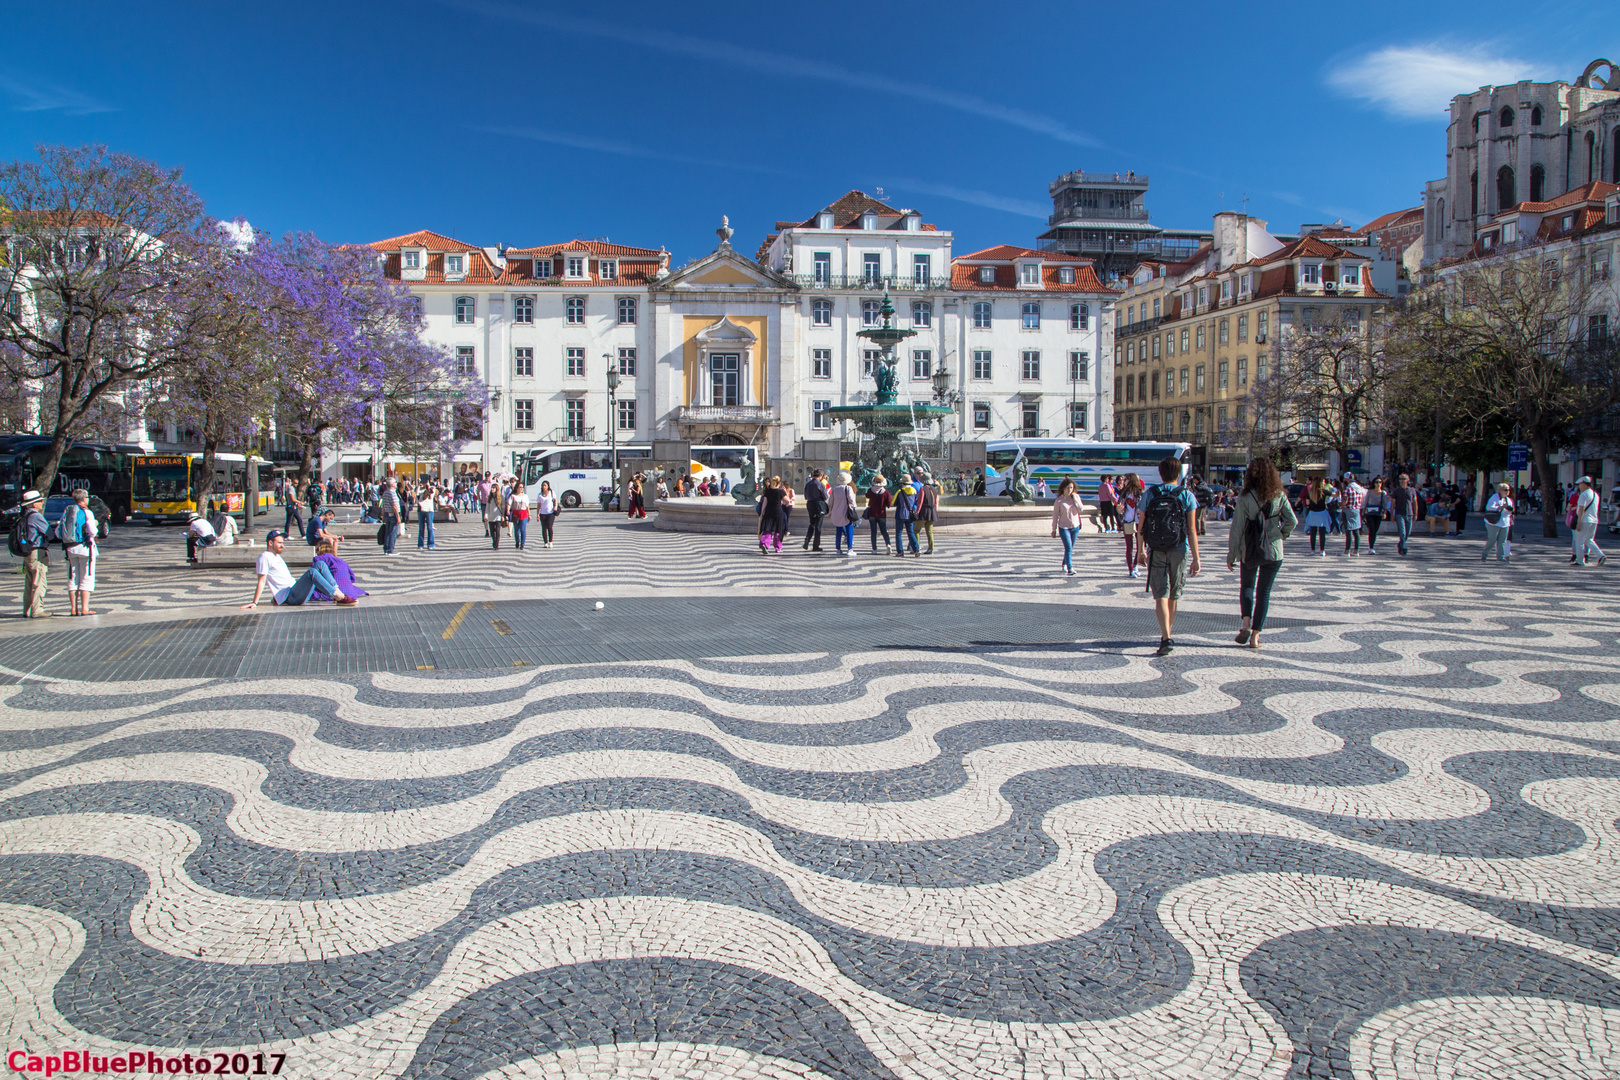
x=102 y=469
x=579 y=473
x=168 y=487
x=1085 y=462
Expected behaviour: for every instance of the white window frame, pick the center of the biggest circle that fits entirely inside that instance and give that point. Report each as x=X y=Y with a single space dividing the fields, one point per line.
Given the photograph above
x=627 y=303
x=523 y=414
x=982 y=416
x=872 y=268
x=871 y=313
x=410 y=260
x=922 y=363
x=1077 y=416
x=821 y=363
x=987 y=275
x=1079 y=365
x=466 y=310
x=1029 y=273
x=983 y=315
x=523 y=309
x=821 y=312
x=466 y=360
x=922 y=269
x=608 y=269
x=574 y=267
x=626 y=418
x=543 y=269
x=1310 y=273
x=574 y=362
x=627 y=360
x=982 y=367
x=1065 y=275
x=1030 y=316
x=822 y=262
x=523 y=362
x=572 y=305
x=455 y=264
x=1350 y=275
x=1029 y=368
x=1079 y=316
x=574 y=416
x=922 y=313
x=820 y=418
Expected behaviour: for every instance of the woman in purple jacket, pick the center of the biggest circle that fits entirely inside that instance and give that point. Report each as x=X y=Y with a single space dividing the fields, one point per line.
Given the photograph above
x=325 y=553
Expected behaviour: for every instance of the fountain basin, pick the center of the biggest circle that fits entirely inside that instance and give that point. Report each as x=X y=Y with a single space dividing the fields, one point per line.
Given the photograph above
x=958 y=516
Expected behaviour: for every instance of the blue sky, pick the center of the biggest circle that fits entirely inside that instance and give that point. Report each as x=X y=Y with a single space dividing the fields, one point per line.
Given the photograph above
x=523 y=122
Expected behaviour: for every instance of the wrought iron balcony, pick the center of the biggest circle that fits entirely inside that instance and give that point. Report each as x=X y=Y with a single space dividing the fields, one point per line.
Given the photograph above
x=862 y=283
x=571 y=435
x=1140 y=326
x=727 y=414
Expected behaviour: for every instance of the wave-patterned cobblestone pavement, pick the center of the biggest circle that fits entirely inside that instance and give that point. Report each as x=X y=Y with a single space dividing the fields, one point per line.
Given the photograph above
x=1380 y=849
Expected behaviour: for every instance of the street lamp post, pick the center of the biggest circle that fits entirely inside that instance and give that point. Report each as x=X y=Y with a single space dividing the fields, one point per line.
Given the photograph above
x=613 y=417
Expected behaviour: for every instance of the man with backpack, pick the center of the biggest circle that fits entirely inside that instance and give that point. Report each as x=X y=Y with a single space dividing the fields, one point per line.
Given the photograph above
x=1167 y=528
x=30 y=541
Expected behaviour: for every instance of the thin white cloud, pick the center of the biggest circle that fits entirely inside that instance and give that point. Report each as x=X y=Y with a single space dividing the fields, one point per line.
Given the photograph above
x=239 y=233
x=1417 y=82
x=33 y=95
x=622 y=149
x=988 y=199
x=781 y=64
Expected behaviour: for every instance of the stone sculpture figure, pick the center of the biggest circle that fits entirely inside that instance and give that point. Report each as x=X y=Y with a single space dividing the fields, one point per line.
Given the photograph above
x=745 y=490
x=1018 y=489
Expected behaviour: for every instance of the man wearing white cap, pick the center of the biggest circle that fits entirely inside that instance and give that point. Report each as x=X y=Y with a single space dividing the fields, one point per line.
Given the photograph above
x=36 y=547
x=1586 y=522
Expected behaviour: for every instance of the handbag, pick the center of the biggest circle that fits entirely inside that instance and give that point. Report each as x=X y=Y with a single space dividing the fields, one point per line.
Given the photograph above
x=382 y=534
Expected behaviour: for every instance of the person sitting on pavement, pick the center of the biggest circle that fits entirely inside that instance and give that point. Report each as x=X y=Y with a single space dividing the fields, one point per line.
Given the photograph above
x=317 y=528
x=284 y=590
x=326 y=555
x=198 y=534
x=224 y=528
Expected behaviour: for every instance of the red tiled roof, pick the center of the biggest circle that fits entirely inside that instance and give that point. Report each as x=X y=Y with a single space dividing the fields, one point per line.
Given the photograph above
x=965 y=278
x=594 y=247
x=1008 y=252
x=847 y=210
x=1591 y=191
x=1392 y=219
x=425 y=238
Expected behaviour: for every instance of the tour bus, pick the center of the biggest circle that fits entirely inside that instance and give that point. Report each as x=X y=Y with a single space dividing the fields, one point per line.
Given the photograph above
x=1085 y=462
x=102 y=469
x=578 y=473
x=168 y=487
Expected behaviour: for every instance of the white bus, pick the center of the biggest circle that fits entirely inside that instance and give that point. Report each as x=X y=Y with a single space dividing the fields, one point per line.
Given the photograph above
x=1085 y=462
x=578 y=473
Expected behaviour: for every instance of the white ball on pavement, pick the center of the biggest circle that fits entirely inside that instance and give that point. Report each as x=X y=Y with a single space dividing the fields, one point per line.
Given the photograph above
x=600 y=605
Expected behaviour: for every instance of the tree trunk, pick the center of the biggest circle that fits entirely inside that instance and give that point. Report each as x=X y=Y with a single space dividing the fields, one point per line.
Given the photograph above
x=1550 y=510
x=205 y=468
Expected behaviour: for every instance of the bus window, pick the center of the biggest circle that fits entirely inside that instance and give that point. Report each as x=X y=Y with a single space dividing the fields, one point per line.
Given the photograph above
x=1000 y=459
x=597 y=459
x=722 y=457
x=562 y=459
x=160 y=483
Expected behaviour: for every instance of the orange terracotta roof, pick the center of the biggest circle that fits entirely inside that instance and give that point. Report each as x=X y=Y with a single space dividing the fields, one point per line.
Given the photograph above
x=1391 y=219
x=965 y=278
x=594 y=247
x=1008 y=252
x=425 y=238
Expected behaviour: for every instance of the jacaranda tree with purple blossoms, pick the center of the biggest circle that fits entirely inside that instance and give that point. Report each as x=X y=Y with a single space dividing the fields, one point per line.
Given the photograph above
x=345 y=347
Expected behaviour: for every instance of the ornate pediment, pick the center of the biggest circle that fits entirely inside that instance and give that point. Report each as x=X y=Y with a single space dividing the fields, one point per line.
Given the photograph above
x=723 y=268
x=725 y=333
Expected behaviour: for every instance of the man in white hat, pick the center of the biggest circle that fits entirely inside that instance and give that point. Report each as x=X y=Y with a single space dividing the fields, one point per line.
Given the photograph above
x=199 y=533
x=36 y=551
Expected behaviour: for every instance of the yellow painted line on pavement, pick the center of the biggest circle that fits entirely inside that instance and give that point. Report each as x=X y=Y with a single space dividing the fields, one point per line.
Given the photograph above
x=501 y=628
x=455 y=622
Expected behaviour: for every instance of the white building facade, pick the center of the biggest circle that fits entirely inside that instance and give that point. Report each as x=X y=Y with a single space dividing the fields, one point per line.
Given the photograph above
x=729 y=349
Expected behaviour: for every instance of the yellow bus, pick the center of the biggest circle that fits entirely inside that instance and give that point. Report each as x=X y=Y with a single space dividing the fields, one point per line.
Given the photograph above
x=168 y=487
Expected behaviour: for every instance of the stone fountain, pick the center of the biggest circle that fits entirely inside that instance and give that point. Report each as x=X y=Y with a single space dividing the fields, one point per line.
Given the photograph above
x=885 y=420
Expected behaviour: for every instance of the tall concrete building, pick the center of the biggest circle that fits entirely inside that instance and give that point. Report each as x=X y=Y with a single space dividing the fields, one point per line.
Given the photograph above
x=1528 y=142
x=1104 y=217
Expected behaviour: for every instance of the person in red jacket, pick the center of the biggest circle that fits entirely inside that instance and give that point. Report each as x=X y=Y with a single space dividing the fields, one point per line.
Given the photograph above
x=877 y=512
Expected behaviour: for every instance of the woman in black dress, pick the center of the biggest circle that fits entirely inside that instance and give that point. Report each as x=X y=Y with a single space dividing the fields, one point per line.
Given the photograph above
x=772 y=517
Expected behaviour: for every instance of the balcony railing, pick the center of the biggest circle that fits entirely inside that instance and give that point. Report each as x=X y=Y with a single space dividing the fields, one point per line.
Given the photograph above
x=571 y=435
x=860 y=282
x=1079 y=215
x=1140 y=326
x=728 y=414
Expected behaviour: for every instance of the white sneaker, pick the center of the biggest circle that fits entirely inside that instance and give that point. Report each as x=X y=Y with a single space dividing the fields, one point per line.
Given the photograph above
x=849 y=553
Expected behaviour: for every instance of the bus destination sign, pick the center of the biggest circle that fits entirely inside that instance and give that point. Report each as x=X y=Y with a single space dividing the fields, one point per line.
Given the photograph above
x=161 y=460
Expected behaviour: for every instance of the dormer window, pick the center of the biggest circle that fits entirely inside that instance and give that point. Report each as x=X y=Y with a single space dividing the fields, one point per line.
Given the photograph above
x=824 y=220
x=1203 y=295
x=1311 y=273
x=410 y=260
x=869 y=221
x=455 y=264
x=542 y=268
x=913 y=221
x=987 y=275
x=1350 y=275
x=1066 y=275
x=1244 y=284
x=575 y=266
x=1568 y=223
x=1029 y=273
x=1226 y=289
x=609 y=269
x=1510 y=232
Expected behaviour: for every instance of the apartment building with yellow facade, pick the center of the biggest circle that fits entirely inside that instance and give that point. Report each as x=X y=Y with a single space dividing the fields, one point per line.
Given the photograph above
x=1192 y=338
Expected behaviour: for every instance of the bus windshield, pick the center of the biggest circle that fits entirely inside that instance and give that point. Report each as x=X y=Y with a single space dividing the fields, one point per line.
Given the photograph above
x=161 y=483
